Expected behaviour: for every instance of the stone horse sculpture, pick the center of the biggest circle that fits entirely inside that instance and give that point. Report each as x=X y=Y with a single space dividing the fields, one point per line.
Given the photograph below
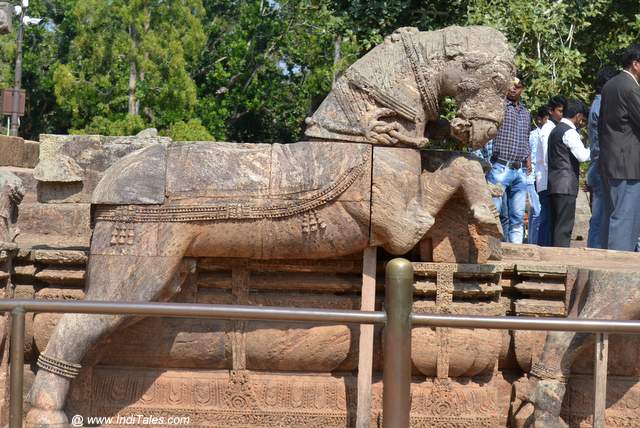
x=358 y=183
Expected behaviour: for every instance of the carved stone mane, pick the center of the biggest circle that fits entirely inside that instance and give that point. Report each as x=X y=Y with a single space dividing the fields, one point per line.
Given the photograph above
x=398 y=77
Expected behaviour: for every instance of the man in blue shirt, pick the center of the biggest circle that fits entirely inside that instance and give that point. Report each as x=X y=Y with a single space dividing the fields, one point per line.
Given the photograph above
x=594 y=179
x=511 y=161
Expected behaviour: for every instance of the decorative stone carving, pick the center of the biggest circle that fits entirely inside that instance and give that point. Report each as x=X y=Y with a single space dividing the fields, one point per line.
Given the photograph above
x=389 y=95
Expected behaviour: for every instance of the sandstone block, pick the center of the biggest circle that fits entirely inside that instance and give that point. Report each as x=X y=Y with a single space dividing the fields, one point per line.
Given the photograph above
x=60 y=257
x=18 y=152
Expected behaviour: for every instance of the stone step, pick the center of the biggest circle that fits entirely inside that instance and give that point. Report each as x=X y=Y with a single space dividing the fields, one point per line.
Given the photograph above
x=542 y=289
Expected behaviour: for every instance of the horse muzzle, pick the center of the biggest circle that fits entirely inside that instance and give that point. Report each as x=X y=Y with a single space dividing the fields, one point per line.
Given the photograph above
x=474 y=132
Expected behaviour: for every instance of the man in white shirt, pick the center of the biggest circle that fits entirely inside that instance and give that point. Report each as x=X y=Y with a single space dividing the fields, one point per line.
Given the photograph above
x=542 y=117
x=556 y=110
x=565 y=152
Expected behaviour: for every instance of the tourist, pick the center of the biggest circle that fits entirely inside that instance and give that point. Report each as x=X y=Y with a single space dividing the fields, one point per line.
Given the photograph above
x=556 y=110
x=595 y=186
x=565 y=151
x=542 y=116
x=619 y=161
x=485 y=153
x=511 y=159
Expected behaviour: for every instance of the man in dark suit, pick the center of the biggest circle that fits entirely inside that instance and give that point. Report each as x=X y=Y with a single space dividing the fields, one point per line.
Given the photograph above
x=620 y=152
x=565 y=152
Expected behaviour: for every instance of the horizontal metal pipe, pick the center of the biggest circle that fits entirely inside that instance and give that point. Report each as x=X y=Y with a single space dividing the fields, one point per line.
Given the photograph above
x=188 y=310
x=270 y=313
x=527 y=323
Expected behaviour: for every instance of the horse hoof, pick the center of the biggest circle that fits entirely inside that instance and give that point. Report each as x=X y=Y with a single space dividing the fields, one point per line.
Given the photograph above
x=485 y=215
x=40 y=418
x=546 y=420
x=522 y=418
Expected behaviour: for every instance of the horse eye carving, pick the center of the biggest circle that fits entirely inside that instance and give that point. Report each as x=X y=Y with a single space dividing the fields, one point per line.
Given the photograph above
x=500 y=82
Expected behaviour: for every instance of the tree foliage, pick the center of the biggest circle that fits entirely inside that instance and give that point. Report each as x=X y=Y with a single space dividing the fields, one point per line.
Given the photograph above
x=252 y=70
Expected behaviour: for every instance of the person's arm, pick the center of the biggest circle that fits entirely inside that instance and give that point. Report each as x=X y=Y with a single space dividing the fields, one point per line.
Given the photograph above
x=572 y=140
x=633 y=104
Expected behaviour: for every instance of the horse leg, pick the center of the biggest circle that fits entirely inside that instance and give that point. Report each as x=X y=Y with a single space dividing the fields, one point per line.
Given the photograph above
x=111 y=277
x=604 y=298
x=467 y=175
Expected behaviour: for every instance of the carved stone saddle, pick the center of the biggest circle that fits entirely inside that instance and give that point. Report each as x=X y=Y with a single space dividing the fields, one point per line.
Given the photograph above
x=217 y=181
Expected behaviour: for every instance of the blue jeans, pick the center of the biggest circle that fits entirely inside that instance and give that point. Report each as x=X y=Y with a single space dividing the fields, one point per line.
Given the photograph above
x=514 y=183
x=534 y=214
x=624 y=222
x=594 y=180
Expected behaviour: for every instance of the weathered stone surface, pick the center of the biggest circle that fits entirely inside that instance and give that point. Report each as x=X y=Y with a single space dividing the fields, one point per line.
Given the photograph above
x=60 y=257
x=60 y=169
x=59 y=193
x=622 y=398
x=61 y=276
x=600 y=294
x=29 y=183
x=545 y=289
x=137 y=179
x=17 y=152
x=28 y=271
x=66 y=220
x=11 y=194
x=92 y=155
x=539 y=307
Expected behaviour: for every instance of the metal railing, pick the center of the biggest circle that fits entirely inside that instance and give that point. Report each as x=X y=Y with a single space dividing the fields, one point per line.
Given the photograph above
x=397 y=318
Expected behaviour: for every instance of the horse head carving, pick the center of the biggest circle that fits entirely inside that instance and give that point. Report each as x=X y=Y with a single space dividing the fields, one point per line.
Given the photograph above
x=389 y=96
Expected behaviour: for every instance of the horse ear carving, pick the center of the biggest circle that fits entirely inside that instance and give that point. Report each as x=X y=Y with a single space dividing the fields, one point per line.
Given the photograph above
x=455 y=42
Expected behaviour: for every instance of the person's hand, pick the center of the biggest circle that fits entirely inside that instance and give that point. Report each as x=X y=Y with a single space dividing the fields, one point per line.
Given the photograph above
x=586 y=188
x=529 y=166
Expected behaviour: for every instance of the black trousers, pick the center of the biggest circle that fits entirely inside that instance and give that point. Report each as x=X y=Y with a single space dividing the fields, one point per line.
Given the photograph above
x=563 y=213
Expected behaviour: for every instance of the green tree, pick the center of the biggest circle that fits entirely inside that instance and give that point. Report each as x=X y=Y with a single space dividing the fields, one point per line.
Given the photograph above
x=131 y=58
x=265 y=66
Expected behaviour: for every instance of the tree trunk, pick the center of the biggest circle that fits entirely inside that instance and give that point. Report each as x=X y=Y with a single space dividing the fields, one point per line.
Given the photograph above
x=337 y=46
x=133 y=81
x=133 y=73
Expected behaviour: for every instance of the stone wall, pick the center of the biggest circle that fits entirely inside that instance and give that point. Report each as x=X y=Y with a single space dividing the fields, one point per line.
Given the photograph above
x=60 y=175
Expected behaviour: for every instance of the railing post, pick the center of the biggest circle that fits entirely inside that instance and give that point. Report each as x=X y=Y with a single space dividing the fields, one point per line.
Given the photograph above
x=16 y=368
x=396 y=396
x=365 y=353
x=600 y=376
